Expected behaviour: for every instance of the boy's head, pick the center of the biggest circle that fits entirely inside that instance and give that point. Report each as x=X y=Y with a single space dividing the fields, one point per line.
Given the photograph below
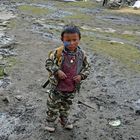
x=71 y=37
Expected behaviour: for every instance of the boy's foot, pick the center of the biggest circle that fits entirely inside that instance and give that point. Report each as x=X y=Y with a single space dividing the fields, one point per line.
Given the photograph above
x=65 y=123
x=50 y=126
x=68 y=126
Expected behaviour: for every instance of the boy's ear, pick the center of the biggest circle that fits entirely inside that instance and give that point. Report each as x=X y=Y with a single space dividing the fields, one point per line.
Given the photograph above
x=61 y=38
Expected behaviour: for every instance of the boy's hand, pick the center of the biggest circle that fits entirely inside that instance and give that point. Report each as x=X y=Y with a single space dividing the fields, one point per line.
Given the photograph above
x=77 y=78
x=61 y=74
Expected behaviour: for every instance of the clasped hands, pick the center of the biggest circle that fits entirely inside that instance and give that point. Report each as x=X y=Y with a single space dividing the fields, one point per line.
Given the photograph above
x=61 y=75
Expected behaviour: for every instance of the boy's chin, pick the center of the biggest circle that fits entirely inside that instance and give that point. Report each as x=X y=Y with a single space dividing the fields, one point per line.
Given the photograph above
x=72 y=48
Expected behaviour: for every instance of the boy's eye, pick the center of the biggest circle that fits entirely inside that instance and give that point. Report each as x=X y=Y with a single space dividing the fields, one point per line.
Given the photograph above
x=74 y=39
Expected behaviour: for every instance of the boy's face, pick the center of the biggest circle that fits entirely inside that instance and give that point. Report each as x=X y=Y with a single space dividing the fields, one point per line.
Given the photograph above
x=71 y=40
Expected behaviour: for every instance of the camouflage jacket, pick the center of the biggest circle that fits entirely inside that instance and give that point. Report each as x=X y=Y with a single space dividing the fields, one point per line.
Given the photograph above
x=55 y=59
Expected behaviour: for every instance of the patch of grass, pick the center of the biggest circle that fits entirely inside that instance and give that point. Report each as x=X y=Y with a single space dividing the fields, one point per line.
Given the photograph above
x=12 y=24
x=33 y=9
x=78 y=16
x=128 y=37
x=132 y=38
x=11 y=62
x=72 y=5
x=128 y=55
x=128 y=10
x=1 y=71
x=82 y=4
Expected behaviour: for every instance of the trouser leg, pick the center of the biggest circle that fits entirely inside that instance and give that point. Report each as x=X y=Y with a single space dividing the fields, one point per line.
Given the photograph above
x=53 y=106
x=66 y=103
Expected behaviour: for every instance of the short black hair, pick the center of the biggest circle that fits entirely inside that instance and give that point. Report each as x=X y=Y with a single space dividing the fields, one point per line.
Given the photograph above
x=70 y=29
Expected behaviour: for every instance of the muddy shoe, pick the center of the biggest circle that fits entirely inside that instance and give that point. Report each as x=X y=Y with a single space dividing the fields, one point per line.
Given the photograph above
x=50 y=126
x=65 y=123
x=68 y=126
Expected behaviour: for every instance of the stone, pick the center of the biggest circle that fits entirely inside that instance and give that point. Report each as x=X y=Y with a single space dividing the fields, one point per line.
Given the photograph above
x=137 y=107
x=19 y=97
x=136 y=5
x=6 y=99
x=114 y=42
x=1 y=57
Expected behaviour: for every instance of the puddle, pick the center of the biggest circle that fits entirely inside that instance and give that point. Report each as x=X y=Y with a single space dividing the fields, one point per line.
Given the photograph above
x=7 y=52
x=48 y=30
x=4 y=82
x=90 y=11
x=6 y=45
x=59 y=14
x=47 y=25
x=4 y=39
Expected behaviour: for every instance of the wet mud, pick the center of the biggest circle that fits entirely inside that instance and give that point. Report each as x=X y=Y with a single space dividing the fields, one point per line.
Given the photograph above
x=29 y=29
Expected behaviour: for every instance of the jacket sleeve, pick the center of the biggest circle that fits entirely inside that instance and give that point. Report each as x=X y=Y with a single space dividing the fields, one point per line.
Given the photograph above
x=86 y=68
x=52 y=62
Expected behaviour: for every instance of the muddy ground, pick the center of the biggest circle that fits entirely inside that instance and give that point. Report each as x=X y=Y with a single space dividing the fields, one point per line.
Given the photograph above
x=29 y=29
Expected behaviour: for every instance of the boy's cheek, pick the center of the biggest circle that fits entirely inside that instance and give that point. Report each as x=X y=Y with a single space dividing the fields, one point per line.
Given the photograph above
x=66 y=44
x=75 y=44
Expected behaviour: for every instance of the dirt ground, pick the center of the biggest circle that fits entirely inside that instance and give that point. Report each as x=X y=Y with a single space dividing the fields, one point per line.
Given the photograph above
x=29 y=29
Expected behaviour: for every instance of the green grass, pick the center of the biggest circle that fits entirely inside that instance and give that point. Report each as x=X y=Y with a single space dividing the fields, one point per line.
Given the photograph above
x=82 y=4
x=33 y=9
x=10 y=63
x=127 y=37
x=126 y=54
x=1 y=71
x=78 y=16
x=13 y=23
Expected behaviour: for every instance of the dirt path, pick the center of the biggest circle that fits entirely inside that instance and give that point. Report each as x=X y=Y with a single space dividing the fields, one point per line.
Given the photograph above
x=112 y=87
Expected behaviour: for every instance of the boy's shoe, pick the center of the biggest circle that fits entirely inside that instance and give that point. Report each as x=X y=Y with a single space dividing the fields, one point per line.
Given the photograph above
x=50 y=126
x=65 y=123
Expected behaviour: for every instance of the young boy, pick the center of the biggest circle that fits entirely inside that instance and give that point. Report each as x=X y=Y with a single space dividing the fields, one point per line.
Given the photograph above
x=67 y=66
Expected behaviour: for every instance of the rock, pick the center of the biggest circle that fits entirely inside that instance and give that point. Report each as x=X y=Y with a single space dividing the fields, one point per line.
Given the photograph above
x=136 y=5
x=137 y=107
x=137 y=33
x=110 y=30
x=70 y=0
x=115 y=123
x=6 y=15
x=98 y=0
x=1 y=57
x=114 y=5
x=6 y=99
x=19 y=97
x=1 y=82
x=127 y=33
x=115 y=42
x=137 y=112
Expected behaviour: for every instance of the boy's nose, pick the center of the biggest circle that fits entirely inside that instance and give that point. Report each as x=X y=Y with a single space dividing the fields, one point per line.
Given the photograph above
x=72 y=42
